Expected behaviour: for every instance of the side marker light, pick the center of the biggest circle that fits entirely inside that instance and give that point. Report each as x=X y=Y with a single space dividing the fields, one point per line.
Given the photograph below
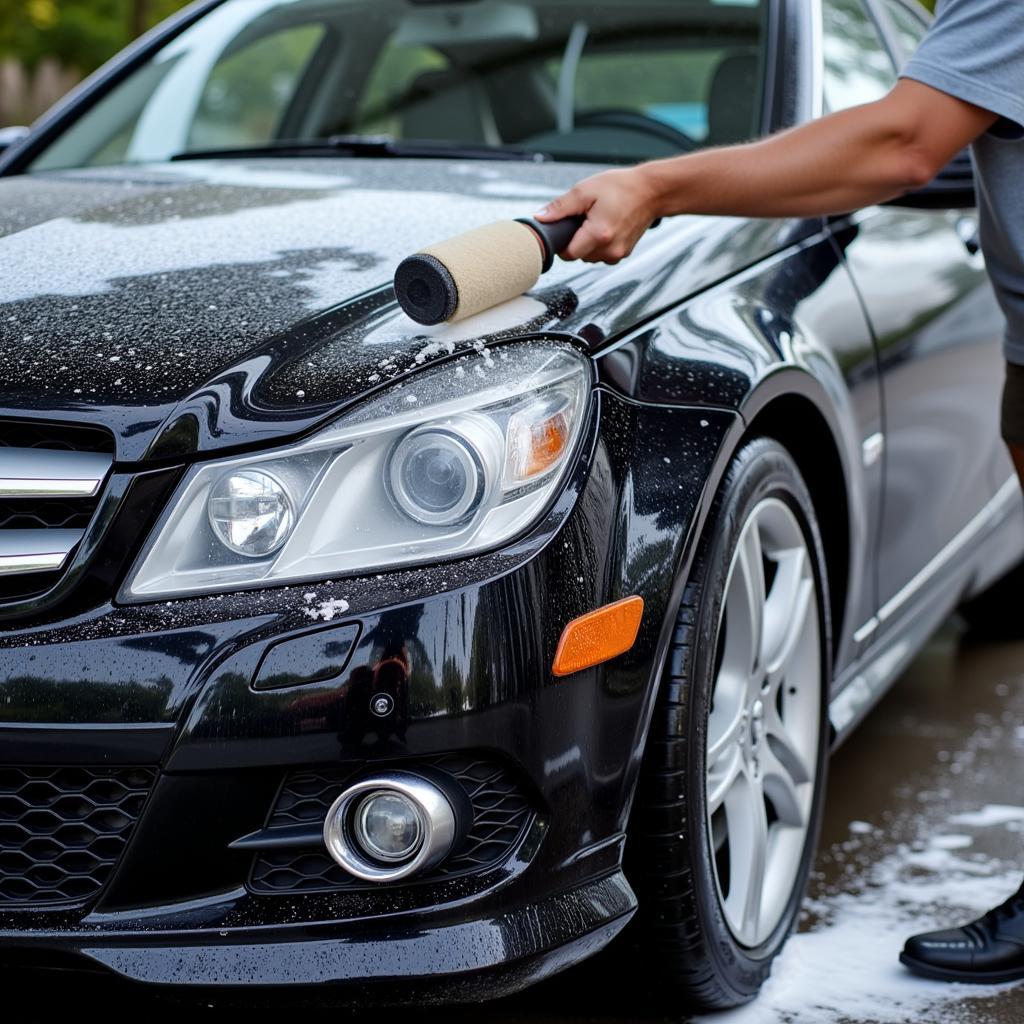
x=598 y=636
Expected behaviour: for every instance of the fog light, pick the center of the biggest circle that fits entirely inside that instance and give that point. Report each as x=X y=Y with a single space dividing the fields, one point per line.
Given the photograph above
x=251 y=512
x=389 y=827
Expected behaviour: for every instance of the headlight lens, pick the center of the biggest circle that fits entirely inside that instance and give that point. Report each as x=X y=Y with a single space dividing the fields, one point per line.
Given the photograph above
x=462 y=458
x=439 y=475
x=251 y=513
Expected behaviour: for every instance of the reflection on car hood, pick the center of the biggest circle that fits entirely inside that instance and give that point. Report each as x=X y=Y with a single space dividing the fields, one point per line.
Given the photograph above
x=197 y=306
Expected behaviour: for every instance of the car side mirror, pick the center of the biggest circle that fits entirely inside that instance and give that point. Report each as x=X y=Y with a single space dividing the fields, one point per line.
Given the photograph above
x=9 y=136
x=952 y=188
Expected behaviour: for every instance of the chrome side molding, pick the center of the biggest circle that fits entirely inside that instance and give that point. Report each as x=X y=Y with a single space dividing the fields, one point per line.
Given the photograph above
x=878 y=672
x=44 y=473
x=1005 y=499
x=871 y=449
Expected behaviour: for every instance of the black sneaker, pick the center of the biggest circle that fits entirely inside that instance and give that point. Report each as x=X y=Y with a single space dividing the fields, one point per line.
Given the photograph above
x=987 y=951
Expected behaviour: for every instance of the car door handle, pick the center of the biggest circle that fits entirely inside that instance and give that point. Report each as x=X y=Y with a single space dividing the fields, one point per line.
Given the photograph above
x=970 y=234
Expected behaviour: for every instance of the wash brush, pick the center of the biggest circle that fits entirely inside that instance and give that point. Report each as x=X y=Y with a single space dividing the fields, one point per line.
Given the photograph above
x=478 y=270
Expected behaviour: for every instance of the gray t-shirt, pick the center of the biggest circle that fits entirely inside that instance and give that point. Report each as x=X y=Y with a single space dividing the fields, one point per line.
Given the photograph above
x=975 y=51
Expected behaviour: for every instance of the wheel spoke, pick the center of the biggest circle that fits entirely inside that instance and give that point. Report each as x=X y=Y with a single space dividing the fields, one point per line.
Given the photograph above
x=722 y=777
x=745 y=605
x=721 y=739
x=786 y=610
x=748 y=853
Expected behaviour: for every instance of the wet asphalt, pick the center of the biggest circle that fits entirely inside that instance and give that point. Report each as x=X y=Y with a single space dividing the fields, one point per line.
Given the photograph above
x=924 y=826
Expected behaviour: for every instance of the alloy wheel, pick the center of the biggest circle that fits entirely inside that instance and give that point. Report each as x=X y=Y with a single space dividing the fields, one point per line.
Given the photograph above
x=765 y=722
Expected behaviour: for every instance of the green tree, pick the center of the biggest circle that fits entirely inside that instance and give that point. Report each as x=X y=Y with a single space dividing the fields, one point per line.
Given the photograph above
x=78 y=33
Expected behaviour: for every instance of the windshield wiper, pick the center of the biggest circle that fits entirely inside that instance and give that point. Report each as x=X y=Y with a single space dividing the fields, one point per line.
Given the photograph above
x=370 y=145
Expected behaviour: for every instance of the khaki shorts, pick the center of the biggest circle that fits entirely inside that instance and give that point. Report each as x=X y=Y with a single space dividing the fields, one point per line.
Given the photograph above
x=1013 y=405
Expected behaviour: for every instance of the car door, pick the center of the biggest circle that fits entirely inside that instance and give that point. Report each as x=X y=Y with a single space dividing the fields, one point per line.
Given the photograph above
x=938 y=330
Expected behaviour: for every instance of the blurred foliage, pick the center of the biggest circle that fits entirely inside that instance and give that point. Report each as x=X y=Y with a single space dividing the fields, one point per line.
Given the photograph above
x=78 y=33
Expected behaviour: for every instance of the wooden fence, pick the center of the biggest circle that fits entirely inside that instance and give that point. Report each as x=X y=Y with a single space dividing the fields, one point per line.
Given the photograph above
x=25 y=93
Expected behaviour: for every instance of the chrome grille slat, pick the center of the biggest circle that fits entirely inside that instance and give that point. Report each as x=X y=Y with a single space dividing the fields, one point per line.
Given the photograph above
x=51 y=478
x=50 y=473
x=36 y=550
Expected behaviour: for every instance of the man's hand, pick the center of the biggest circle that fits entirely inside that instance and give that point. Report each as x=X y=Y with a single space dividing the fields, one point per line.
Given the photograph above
x=619 y=206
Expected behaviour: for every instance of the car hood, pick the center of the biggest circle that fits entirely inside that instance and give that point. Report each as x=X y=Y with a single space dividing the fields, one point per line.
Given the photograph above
x=197 y=306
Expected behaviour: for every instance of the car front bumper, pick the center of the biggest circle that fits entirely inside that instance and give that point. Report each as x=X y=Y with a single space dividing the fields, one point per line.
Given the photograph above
x=394 y=961
x=173 y=691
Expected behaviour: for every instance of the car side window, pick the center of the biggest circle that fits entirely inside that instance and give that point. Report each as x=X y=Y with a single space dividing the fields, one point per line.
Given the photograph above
x=858 y=68
x=250 y=87
x=390 y=92
x=684 y=86
x=909 y=27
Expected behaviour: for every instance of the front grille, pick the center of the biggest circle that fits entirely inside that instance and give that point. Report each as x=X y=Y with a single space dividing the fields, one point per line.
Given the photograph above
x=46 y=513
x=63 y=830
x=62 y=437
x=33 y=455
x=22 y=587
x=501 y=816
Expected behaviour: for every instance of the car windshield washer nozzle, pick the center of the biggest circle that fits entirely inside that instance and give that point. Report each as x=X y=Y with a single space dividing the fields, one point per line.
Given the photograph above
x=483 y=268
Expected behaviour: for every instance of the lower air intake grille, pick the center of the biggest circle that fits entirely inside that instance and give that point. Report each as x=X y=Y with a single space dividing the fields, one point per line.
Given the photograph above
x=501 y=816
x=63 y=830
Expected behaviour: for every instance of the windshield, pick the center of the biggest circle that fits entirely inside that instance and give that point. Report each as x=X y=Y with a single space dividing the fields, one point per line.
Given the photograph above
x=598 y=81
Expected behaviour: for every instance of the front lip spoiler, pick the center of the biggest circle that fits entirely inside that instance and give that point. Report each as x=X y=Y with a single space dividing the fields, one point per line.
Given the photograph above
x=468 y=960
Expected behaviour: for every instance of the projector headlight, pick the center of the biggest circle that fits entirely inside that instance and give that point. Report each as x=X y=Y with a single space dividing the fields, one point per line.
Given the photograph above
x=440 y=475
x=250 y=512
x=458 y=460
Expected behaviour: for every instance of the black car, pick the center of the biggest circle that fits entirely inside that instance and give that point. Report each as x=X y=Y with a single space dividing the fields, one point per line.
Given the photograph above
x=338 y=651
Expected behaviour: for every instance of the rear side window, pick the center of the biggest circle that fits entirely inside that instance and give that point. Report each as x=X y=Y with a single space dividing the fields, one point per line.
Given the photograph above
x=858 y=68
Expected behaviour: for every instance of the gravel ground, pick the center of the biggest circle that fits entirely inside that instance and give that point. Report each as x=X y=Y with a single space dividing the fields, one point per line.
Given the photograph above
x=923 y=828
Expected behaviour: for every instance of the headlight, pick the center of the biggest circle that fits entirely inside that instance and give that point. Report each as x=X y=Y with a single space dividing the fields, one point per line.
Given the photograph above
x=250 y=512
x=459 y=459
x=440 y=475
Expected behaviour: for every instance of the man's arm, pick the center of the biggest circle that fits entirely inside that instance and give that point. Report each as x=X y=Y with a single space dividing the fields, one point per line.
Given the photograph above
x=836 y=164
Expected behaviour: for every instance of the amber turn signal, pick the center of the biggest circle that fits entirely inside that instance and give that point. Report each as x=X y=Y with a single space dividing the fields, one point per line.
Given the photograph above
x=548 y=443
x=538 y=439
x=598 y=636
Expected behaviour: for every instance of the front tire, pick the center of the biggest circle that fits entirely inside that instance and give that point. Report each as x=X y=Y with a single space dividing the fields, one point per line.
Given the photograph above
x=729 y=802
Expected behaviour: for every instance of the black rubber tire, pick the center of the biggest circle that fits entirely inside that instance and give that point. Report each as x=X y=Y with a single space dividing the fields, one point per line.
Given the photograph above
x=688 y=954
x=995 y=613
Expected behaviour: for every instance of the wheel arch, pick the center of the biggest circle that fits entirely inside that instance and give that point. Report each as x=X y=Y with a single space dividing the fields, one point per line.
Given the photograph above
x=797 y=423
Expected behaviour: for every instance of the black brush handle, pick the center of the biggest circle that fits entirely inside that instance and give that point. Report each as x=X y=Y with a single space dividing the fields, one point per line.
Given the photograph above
x=557 y=235
x=554 y=236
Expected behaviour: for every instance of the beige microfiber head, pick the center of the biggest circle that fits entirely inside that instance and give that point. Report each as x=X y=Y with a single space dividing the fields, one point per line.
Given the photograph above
x=490 y=265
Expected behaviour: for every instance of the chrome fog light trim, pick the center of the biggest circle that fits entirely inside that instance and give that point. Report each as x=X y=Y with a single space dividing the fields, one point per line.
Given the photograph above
x=354 y=850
